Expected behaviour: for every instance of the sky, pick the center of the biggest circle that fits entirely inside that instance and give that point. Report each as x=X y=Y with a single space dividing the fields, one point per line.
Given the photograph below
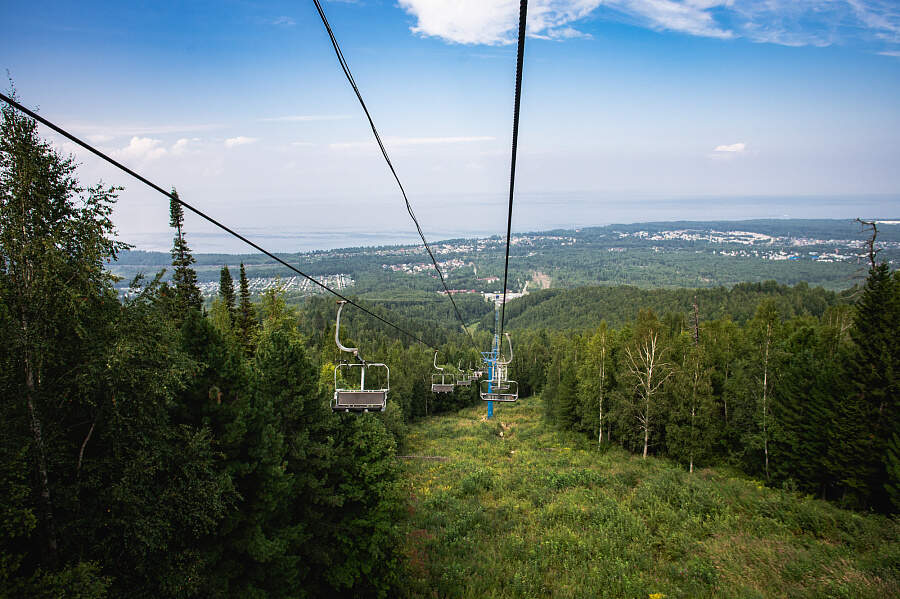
x=632 y=110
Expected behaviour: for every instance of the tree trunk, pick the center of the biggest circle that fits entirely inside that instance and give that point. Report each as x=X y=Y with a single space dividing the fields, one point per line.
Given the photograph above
x=764 y=406
x=646 y=439
x=50 y=546
x=602 y=372
x=725 y=394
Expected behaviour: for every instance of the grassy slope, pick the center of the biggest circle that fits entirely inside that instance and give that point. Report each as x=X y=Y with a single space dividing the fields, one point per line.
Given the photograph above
x=538 y=513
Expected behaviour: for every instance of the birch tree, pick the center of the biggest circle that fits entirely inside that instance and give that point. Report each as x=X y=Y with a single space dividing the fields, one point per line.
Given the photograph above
x=54 y=238
x=592 y=384
x=766 y=319
x=648 y=371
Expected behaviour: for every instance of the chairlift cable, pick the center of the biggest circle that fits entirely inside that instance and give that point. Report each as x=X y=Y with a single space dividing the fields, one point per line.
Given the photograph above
x=346 y=68
x=520 y=55
x=199 y=213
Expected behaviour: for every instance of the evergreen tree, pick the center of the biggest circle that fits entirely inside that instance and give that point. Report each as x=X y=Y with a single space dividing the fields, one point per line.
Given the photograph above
x=187 y=293
x=809 y=445
x=892 y=462
x=226 y=291
x=875 y=372
x=247 y=316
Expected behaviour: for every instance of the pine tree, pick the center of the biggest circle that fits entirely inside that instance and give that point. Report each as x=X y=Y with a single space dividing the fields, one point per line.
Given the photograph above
x=875 y=372
x=892 y=461
x=247 y=317
x=226 y=290
x=187 y=293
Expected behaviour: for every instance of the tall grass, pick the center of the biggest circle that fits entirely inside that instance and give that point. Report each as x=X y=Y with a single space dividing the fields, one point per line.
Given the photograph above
x=520 y=510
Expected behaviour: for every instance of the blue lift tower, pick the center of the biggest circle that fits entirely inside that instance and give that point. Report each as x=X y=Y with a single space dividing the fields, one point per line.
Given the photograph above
x=490 y=358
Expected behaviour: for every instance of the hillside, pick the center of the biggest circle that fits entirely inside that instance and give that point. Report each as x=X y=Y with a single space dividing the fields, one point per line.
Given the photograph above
x=586 y=307
x=515 y=509
x=823 y=253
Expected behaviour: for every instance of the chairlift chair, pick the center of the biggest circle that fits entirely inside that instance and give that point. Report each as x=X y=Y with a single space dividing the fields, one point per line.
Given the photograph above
x=441 y=382
x=499 y=387
x=463 y=379
x=360 y=399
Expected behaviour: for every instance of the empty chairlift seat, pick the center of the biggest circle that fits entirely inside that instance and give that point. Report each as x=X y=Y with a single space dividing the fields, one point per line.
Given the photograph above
x=463 y=379
x=499 y=387
x=350 y=397
x=359 y=399
x=507 y=391
x=441 y=382
x=439 y=385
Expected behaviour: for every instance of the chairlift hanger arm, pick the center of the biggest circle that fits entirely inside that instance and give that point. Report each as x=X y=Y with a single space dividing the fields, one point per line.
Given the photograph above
x=509 y=342
x=337 y=333
x=435 y=362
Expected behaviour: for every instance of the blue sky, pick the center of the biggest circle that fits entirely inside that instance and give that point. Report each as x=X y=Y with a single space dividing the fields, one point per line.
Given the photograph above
x=628 y=105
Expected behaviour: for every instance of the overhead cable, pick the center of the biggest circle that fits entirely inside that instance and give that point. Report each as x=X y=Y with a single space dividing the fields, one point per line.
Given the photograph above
x=199 y=213
x=346 y=68
x=520 y=55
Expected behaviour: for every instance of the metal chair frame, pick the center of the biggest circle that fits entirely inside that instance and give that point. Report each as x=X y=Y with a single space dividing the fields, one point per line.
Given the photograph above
x=507 y=392
x=499 y=387
x=463 y=379
x=443 y=386
x=361 y=399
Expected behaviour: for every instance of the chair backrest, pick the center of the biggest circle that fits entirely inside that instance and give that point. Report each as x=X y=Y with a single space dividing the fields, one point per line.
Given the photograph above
x=505 y=391
x=358 y=398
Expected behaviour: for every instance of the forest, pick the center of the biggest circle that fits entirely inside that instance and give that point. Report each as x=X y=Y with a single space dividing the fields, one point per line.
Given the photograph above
x=155 y=446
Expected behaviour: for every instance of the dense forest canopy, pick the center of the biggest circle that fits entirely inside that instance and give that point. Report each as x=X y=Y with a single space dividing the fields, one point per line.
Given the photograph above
x=156 y=445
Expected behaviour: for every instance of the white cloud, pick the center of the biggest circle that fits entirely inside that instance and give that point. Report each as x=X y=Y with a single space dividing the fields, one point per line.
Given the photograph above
x=784 y=22
x=411 y=141
x=108 y=132
x=240 y=140
x=183 y=145
x=99 y=138
x=738 y=147
x=302 y=144
x=420 y=141
x=689 y=16
x=283 y=21
x=882 y=16
x=894 y=53
x=494 y=22
x=141 y=148
x=306 y=118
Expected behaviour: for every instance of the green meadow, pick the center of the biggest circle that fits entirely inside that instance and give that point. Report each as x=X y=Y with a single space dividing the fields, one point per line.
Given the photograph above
x=512 y=508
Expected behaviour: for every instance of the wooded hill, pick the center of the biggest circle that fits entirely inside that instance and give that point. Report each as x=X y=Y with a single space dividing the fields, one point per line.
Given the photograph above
x=586 y=307
x=154 y=446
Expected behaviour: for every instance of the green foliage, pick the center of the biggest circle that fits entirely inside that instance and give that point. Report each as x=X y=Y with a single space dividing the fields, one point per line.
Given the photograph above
x=874 y=368
x=226 y=292
x=540 y=512
x=246 y=324
x=806 y=402
x=892 y=464
x=184 y=277
x=150 y=450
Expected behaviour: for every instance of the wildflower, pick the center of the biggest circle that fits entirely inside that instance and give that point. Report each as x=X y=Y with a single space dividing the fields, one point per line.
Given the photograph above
x=655 y=596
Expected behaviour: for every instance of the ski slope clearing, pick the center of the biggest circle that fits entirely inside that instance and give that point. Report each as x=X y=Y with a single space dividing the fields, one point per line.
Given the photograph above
x=520 y=510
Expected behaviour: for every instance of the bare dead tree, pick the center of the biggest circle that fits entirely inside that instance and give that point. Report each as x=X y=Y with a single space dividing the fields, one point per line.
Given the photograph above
x=870 y=243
